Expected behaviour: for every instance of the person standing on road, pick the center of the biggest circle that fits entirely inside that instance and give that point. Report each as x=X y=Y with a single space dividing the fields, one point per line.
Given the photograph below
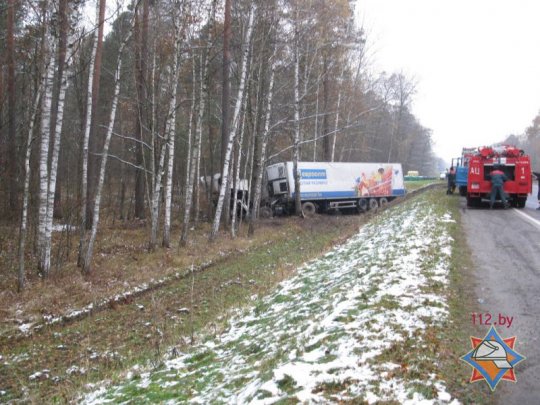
x=498 y=178
x=451 y=175
x=537 y=175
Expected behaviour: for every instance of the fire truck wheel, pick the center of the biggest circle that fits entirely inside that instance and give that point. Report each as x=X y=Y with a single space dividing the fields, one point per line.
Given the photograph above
x=362 y=205
x=473 y=201
x=309 y=209
x=383 y=201
x=266 y=212
x=373 y=204
x=520 y=202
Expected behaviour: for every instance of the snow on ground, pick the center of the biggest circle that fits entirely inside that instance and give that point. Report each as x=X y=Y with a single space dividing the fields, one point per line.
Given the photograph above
x=330 y=333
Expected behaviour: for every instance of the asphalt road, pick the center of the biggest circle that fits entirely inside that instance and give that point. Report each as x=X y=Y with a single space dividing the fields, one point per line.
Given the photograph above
x=505 y=245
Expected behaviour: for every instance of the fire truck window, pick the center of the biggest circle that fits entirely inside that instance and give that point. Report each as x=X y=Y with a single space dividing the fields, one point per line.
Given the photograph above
x=508 y=171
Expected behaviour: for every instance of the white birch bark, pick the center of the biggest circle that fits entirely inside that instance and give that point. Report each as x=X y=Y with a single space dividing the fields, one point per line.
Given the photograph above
x=43 y=265
x=55 y=156
x=95 y=220
x=226 y=163
x=196 y=207
x=171 y=126
x=336 y=123
x=85 y=142
x=26 y=193
x=264 y=142
x=296 y=150
x=237 y=175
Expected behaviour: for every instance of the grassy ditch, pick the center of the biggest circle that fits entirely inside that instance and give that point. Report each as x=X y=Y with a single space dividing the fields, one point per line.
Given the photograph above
x=56 y=364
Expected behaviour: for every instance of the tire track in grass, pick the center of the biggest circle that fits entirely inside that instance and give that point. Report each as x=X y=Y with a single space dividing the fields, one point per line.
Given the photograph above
x=341 y=329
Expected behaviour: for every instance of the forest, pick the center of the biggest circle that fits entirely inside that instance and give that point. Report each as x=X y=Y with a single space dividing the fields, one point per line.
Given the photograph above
x=119 y=112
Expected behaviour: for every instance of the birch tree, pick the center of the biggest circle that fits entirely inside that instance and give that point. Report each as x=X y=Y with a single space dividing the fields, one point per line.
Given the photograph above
x=171 y=131
x=85 y=143
x=26 y=190
x=226 y=163
x=43 y=263
x=296 y=149
x=95 y=216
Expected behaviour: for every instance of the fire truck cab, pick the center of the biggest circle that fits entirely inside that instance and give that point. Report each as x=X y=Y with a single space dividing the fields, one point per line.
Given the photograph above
x=512 y=161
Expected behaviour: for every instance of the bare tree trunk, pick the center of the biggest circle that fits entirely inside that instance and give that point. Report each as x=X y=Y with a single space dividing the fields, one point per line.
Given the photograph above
x=63 y=66
x=224 y=176
x=336 y=124
x=12 y=124
x=196 y=189
x=26 y=193
x=43 y=263
x=85 y=143
x=326 y=129
x=95 y=215
x=225 y=95
x=262 y=159
x=141 y=48
x=93 y=139
x=296 y=150
x=171 y=134
x=237 y=175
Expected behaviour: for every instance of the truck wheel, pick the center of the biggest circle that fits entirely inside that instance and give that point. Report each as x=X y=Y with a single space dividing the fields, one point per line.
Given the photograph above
x=383 y=201
x=520 y=202
x=373 y=204
x=473 y=201
x=362 y=205
x=309 y=209
x=266 y=212
x=463 y=191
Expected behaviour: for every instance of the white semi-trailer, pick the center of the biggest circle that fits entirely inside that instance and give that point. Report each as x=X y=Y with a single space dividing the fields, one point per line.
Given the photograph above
x=328 y=186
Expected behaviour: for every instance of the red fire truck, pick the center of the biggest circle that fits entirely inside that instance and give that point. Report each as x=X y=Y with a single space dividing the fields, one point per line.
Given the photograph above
x=512 y=161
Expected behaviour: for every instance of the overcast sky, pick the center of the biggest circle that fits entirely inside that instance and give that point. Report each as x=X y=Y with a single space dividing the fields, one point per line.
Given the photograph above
x=476 y=62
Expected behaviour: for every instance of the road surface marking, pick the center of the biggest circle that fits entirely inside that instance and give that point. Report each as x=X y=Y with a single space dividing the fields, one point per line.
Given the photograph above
x=528 y=217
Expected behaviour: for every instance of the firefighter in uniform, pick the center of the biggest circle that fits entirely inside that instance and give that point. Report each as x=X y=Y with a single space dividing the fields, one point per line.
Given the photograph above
x=498 y=178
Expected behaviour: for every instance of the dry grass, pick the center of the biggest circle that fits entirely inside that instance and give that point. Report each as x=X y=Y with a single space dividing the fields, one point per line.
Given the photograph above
x=121 y=262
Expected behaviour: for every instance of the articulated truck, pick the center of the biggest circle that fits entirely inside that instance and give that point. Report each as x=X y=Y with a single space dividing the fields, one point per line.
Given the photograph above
x=326 y=186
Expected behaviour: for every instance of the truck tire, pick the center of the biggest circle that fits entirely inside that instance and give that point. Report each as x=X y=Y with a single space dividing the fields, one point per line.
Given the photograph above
x=463 y=191
x=266 y=212
x=362 y=205
x=309 y=209
x=473 y=201
x=520 y=202
x=373 y=204
x=383 y=201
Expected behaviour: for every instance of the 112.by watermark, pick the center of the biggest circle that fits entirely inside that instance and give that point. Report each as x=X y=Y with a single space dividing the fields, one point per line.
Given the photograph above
x=489 y=319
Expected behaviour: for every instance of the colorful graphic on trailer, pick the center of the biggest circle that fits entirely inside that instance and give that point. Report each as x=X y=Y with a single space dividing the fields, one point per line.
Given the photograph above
x=375 y=183
x=493 y=358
